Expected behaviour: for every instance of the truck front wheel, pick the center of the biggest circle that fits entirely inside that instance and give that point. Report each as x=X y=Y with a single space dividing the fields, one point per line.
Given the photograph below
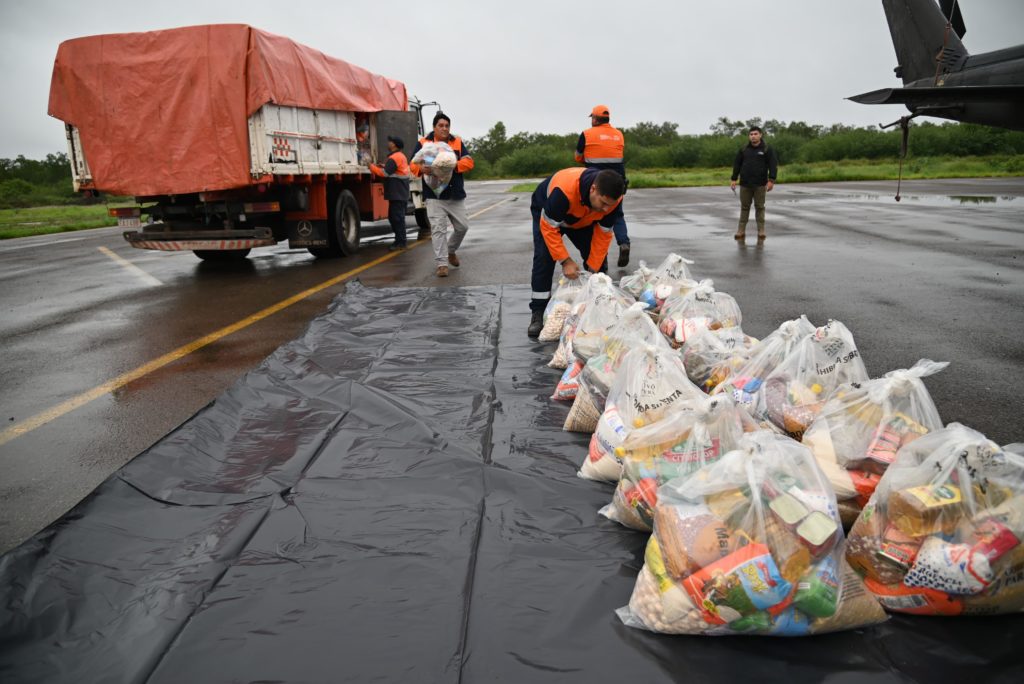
x=344 y=224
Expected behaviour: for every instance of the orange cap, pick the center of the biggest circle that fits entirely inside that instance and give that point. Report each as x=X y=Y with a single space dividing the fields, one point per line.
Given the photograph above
x=600 y=110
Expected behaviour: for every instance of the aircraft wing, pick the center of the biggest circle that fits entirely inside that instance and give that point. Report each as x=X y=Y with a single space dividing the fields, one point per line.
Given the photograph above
x=941 y=95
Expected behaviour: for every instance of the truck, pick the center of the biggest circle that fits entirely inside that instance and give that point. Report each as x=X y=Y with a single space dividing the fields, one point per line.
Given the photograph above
x=229 y=137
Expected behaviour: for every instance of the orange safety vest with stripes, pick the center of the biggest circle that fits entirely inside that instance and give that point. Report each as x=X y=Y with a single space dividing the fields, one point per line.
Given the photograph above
x=563 y=202
x=396 y=179
x=602 y=147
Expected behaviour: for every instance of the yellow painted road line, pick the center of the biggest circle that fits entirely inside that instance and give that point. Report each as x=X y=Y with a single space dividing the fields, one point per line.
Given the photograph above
x=130 y=267
x=44 y=417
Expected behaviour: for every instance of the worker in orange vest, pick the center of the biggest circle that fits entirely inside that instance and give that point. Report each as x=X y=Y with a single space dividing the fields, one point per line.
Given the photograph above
x=602 y=147
x=448 y=208
x=396 y=175
x=583 y=205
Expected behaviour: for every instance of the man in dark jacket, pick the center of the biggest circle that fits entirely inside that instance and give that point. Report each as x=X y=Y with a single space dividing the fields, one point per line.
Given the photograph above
x=756 y=167
x=396 y=175
x=450 y=207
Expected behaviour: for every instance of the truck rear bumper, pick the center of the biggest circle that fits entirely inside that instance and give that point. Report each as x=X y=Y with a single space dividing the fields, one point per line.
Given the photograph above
x=151 y=237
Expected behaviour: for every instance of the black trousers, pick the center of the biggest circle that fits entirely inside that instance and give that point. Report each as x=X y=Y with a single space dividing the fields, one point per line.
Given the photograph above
x=544 y=265
x=396 y=217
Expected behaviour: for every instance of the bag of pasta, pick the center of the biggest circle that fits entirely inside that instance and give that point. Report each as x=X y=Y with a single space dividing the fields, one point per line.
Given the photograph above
x=649 y=381
x=712 y=356
x=633 y=284
x=797 y=389
x=701 y=308
x=942 y=533
x=441 y=160
x=745 y=383
x=665 y=281
x=692 y=435
x=560 y=306
x=860 y=429
x=750 y=544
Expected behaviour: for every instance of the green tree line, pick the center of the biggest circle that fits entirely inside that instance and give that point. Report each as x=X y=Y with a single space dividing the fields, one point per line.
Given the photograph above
x=29 y=182
x=661 y=146
x=32 y=183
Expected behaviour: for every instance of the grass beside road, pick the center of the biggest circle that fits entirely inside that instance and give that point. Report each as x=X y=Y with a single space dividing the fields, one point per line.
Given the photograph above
x=15 y=223
x=832 y=171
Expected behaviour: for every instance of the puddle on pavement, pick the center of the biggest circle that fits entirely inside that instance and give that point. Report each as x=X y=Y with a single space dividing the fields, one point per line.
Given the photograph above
x=961 y=200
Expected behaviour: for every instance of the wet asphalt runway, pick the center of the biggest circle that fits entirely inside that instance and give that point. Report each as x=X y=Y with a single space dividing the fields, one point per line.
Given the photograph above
x=939 y=275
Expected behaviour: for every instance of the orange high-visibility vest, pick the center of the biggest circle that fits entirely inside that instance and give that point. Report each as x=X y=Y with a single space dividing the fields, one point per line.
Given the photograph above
x=580 y=215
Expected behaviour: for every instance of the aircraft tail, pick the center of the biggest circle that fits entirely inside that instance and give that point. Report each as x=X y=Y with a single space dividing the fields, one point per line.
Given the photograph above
x=924 y=47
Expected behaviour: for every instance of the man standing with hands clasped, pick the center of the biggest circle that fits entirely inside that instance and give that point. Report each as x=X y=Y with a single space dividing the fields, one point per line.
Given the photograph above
x=756 y=167
x=582 y=204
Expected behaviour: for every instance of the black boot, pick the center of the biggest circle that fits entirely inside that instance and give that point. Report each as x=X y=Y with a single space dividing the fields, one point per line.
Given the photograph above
x=536 y=324
x=623 y=255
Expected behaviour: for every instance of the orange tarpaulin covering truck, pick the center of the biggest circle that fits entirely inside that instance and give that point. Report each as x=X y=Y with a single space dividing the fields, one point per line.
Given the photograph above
x=229 y=137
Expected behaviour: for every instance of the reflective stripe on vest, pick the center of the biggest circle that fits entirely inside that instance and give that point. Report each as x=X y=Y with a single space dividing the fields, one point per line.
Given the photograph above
x=402 y=166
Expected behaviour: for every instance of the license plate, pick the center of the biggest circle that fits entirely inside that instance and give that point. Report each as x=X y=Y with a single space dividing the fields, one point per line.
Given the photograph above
x=129 y=222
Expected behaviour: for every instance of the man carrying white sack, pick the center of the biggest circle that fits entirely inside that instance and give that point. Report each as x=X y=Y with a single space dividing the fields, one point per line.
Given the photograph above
x=449 y=207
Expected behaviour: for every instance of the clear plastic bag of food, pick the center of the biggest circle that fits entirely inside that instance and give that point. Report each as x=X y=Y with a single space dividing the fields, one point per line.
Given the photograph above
x=691 y=435
x=665 y=281
x=441 y=160
x=683 y=315
x=634 y=328
x=712 y=356
x=794 y=393
x=560 y=306
x=942 y=533
x=604 y=305
x=861 y=427
x=750 y=544
x=633 y=284
x=649 y=381
x=745 y=383
x=599 y=286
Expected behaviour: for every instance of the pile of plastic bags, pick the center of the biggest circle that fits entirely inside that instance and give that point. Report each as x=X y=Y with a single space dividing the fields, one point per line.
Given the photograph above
x=745 y=459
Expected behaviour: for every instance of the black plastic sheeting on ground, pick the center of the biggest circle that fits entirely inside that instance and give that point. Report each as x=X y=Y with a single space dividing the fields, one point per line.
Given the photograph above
x=391 y=498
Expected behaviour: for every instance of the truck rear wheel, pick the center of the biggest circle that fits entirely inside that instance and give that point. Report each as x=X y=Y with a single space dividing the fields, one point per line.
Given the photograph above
x=221 y=254
x=423 y=221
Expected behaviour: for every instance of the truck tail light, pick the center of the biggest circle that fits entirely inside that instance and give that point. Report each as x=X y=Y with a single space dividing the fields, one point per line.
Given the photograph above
x=261 y=207
x=124 y=212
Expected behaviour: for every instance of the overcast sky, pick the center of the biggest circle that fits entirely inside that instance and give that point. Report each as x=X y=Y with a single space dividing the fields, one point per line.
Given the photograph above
x=536 y=66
